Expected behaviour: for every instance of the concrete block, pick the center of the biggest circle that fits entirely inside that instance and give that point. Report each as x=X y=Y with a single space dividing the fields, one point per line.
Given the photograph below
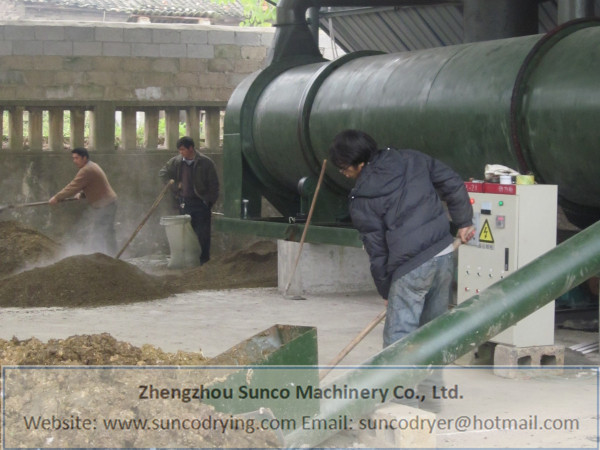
x=221 y=37
x=69 y=77
x=247 y=38
x=245 y=66
x=138 y=35
x=87 y=48
x=200 y=51
x=267 y=38
x=46 y=63
x=58 y=48
x=409 y=426
x=166 y=36
x=108 y=34
x=19 y=33
x=220 y=65
x=22 y=62
x=116 y=49
x=253 y=52
x=169 y=65
x=173 y=50
x=5 y=48
x=12 y=77
x=194 y=37
x=79 y=34
x=145 y=50
x=138 y=65
x=77 y=64
x=323 y=268
x=28 y=47
x=50 y=33
x=227 y=51
x=511 y=362
x=60 y=93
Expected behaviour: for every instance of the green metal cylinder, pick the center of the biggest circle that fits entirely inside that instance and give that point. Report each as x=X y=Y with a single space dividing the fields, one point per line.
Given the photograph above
x=531 y=103
x=470 y=324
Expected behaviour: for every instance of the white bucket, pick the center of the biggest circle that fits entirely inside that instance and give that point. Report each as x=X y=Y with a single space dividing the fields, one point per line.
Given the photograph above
x=183 y=242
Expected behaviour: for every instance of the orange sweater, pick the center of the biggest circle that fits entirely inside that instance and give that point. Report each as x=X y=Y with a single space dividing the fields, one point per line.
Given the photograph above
x=92 y=180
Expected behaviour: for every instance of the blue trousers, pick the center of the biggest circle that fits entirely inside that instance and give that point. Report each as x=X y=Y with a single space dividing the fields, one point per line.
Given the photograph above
x=418 y=297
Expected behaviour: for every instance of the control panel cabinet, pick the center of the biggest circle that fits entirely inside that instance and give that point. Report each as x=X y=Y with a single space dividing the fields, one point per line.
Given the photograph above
x=513 y=228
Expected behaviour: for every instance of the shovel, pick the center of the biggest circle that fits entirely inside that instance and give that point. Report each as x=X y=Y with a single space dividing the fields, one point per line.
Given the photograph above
x=25 y=205
x=310 y=213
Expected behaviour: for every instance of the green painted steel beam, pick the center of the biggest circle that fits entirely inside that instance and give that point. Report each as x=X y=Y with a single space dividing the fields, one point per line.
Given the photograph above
x=467 y=326
x=290 y=232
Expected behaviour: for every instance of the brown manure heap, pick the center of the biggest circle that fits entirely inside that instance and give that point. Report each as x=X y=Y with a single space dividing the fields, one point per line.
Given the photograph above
x=251 y=267
x=81 y=280
x=22 y=247
x=105 y=350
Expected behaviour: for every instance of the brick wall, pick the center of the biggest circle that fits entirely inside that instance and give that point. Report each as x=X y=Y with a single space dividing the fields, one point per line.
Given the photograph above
x=133 y=64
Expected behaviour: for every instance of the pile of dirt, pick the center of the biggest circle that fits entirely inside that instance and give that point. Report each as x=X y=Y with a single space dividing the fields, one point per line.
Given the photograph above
x=97 y=349
x=254 y=266
x=99 y=280
x=22 y=247
x=81 y=280
x=105 y=350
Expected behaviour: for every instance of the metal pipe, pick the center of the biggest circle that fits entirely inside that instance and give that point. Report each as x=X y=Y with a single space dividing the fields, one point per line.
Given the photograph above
x=470 y=324
x=574 y=9
x=531 y=103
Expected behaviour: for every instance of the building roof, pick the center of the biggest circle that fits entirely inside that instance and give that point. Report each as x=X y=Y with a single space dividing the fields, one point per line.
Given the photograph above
x=150 y=8
x=409 y=27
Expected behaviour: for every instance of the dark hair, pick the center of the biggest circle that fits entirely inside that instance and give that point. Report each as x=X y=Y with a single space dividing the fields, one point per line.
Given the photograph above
x=186 y=142
x=81 y=152
x=352 y=147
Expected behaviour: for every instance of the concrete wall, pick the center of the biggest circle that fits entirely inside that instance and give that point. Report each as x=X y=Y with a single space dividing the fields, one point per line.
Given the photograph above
x=128 y=64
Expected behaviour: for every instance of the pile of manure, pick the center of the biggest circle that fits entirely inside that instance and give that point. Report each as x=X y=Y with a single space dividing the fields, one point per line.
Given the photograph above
x=79 y=281
x=22 y=247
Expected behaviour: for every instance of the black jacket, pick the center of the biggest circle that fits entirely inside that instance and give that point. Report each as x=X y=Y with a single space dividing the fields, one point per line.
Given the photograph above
x=396 y=208
x=206 y=181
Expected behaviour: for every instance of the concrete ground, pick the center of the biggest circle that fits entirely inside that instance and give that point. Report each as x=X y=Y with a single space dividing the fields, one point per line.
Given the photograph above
x=214 y=321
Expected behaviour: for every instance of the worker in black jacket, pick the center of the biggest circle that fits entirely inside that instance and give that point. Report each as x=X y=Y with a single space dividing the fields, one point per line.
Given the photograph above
x=396 y=205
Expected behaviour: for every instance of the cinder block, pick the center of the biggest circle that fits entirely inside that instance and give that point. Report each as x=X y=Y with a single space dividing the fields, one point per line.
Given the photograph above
x=109 y=34
x=221 y=37
x=5 y=48
x=87 y=48
x=116 y=49
x=50 y=33
x=512 y=362
x=19 y=33
x=200 y=51
x=166 y=37
x=79 y=34
x=194 y=37
x=145 y=50
x=411 y=429
x=173 y=50
x=28 y=47
x=138 y=35
x=58 y=48
x=250 y=38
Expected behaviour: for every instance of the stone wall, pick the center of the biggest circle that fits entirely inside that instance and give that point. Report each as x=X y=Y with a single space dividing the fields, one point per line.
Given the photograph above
x=128 y=64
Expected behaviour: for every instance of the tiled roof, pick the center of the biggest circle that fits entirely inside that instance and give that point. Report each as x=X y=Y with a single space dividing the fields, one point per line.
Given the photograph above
x=183 y=8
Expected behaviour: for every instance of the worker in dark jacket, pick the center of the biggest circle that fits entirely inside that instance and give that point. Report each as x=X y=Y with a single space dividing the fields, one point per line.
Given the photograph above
x=396 y=205
x=196 y=189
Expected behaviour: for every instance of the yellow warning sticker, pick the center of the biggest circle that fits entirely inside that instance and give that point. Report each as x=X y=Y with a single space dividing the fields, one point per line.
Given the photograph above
x=485 y=235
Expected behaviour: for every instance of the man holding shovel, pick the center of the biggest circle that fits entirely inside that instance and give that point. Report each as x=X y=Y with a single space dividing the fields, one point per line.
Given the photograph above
x=92 y=184
x=396 y=205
